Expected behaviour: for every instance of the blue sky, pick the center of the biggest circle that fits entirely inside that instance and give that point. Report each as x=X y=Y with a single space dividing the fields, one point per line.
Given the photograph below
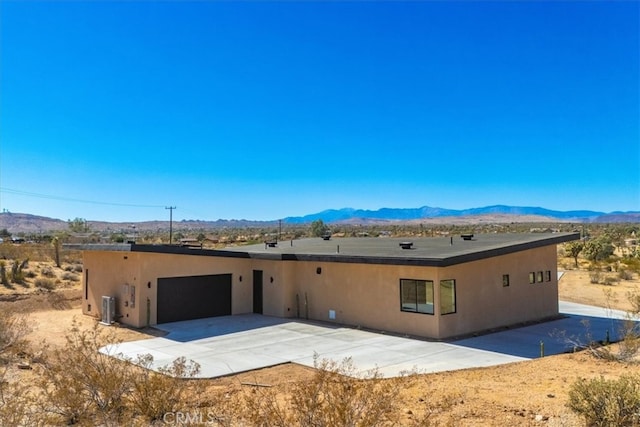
x=263 y=110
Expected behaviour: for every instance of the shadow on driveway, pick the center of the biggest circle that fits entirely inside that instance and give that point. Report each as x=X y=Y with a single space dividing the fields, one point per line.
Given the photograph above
x=554 y=337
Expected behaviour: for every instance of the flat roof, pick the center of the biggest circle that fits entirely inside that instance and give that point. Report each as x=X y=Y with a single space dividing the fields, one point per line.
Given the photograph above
x=423 y=251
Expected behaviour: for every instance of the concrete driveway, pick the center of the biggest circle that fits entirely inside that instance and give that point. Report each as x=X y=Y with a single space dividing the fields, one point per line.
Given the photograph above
x=232 y=344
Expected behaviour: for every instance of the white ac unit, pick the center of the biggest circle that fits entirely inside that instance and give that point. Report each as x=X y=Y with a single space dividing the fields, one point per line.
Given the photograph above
x=108 y=310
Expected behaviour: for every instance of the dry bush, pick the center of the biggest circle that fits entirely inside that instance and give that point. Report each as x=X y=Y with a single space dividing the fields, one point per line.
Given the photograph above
x=628 y=346
x=13 y=330
x=16 y=407
x=47 y=271
x=87 y=382
x=625 y=274
x=70 y=277
x=154 y=394
x=4 y=278
x=336 y=396
x=73 y=268
x=80 y=384
x=44 y=283
x=16 y=402
x=595 y=277
x=607 y=403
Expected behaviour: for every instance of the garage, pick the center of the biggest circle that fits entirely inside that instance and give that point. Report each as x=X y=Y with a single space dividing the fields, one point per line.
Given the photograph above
x=193 y=297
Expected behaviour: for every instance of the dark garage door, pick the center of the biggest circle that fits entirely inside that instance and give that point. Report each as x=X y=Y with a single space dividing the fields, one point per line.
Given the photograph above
x=193 y=297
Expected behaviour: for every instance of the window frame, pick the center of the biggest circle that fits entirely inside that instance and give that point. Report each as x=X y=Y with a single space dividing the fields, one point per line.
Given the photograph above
x=453 y=302
x=548 y=276
x=532 y=277
x=416 y=283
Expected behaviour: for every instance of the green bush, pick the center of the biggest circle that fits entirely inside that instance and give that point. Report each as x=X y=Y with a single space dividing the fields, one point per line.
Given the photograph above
x=607 y=403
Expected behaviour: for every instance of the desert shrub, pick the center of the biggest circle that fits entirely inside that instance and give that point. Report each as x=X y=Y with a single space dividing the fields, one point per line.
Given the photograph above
x=82 y=385
x=13 y=330
x=605 y=402
x=625 y=274
x=4 y=278
x=595 y=277
x=632 y=264
x=627 y=347
x=48 y=272
x=87 y=382
x=35 y=251
x=69 y=276
x=30 y=274
x=154 y=394
x=336 y=396
x=44 y=283
x=609 y=280
x=16 y=402
x=73 y=268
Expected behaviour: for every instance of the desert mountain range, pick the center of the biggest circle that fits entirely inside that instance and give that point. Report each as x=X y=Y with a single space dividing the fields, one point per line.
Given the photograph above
x=23 y=222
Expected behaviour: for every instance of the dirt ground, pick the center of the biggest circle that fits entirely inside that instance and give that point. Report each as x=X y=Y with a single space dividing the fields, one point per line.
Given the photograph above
x=527 y=393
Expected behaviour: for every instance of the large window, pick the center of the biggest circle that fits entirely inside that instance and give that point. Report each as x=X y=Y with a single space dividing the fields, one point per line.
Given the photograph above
x=447 y=296
x=416 y=295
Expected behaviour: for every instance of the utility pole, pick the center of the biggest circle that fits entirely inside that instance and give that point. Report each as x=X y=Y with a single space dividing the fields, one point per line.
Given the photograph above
x=171 y=208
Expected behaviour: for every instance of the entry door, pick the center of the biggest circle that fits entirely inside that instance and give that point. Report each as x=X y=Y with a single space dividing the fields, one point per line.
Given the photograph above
x=257 y=291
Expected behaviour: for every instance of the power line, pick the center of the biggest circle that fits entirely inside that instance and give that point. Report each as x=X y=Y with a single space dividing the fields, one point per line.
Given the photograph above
x=69 y=199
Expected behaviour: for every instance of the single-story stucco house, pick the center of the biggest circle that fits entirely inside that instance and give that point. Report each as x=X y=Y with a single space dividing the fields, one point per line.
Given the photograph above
x=437 y=288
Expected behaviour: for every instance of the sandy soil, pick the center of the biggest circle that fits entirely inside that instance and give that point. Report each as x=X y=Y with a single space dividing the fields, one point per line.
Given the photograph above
x=521 y=394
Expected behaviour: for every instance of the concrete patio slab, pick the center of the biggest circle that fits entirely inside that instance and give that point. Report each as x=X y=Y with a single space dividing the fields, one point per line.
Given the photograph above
x=232 y=344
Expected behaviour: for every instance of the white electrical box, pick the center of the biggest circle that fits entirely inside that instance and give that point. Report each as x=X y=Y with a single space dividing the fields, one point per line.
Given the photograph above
x=108 y=310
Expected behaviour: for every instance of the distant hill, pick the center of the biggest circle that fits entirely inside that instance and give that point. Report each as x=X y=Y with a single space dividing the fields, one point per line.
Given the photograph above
x=27 y=223
x=426 y=212
x=16 y=223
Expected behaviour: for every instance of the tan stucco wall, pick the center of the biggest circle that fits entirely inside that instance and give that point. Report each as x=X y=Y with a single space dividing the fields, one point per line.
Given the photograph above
x=109 y=271
x=366 y=295
x=482 y=302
